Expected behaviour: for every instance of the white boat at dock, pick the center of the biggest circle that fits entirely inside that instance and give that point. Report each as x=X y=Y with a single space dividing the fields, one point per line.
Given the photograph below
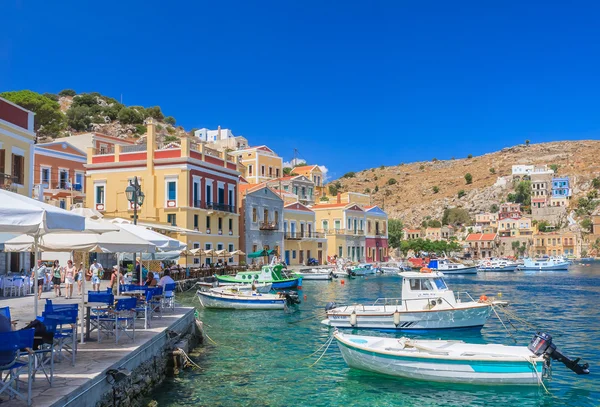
x=426 y=303
x=545 y=263
x=497 y=265
x=233 y=298
x=323 y=274
x=448 y=267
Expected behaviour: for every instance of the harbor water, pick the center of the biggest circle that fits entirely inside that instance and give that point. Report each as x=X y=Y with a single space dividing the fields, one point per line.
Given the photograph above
x=262 y=358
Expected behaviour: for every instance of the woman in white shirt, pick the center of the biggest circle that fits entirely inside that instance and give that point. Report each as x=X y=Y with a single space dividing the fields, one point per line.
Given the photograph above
x=69 y=279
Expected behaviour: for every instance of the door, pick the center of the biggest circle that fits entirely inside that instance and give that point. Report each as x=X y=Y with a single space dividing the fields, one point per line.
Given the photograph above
x=287 y=257
x=320 y=256
x=302 y=257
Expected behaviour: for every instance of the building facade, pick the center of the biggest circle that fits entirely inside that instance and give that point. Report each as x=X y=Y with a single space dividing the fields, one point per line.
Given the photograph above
x=486 y=219
x=510 y=227
x=376 y=235
x=564 y=243
x=313 y=173
x=482 y=245
x=260 y=163
x=343 y=224
x=509 y=210
x=561 y=191
x=299 y=185
x=302 y=241
x=221 y=139
x=261 y=226
x=189 y=189
x=410 y=234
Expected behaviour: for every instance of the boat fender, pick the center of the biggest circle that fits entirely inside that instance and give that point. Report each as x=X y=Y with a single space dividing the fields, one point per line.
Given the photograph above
x=483 y=298
x=439 y=301
x=425 y=270
x=433 y=303
x=396 y=318
x=353 y=318
x=330 y=305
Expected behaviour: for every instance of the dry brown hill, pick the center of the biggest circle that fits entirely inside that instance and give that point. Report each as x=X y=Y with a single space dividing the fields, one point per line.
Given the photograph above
x=412 y=197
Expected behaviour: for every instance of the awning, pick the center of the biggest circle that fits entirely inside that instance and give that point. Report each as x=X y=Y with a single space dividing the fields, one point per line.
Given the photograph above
x=272 y=252
x=260 y=253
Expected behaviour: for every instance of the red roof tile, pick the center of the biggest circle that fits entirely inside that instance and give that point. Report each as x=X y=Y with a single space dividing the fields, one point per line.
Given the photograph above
x=481 y=236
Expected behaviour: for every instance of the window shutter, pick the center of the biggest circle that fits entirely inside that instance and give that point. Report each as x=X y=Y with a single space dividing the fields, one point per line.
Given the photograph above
x=22 y=171
x=2 y=152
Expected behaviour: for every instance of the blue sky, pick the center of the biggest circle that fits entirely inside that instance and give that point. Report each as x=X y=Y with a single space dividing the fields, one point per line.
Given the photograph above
x=350 y=84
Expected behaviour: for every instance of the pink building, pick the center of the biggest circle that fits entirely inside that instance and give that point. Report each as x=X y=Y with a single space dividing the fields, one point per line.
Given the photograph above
x=376 y=236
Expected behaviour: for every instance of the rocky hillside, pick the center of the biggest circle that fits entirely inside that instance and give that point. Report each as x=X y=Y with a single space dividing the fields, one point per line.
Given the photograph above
x=68 y=113
x=414 y=191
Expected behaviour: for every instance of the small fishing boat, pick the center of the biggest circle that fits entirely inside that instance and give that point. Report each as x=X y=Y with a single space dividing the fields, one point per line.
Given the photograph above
x=273 y=274
x=497 y=265
x=263 y=288
x=362 y=269
x=455 y=361
x=393 y=268
x=426 y=303
x=545 y=263
x=233 y=298
x=447 y=267
x=316 y=274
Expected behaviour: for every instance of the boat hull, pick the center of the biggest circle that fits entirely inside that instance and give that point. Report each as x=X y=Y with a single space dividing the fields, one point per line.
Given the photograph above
x=456 y=318
x=466 y=270
x=498 y=269
x=288 y=283
x=209 y=300
x=452 y=371
x=316 y=276
x=545 y=268
x=295 y=283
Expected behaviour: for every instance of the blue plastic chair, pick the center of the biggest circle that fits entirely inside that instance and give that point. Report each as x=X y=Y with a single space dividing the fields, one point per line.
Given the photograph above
x=10 y=361
x=95 y=296
x=169 y=296
x=116 y=322
x=65 y=335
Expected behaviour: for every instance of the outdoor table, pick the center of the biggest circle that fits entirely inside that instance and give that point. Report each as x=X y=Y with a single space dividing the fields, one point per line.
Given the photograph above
x=133 y=293
x=88 y=313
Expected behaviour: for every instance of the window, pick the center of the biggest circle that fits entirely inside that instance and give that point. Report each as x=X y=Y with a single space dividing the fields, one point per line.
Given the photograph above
x=209 y=193
x=45 y=177
x=208 y=222
x=63 y=179
x=254 y=215
x=293 y=254
x=340 y=253
x=196 y=222
x=250 y=170
x=310 y=191
x=296 y=190
x=196 y=194
x=325 y=225
x=78 y=182
x=266 y=215
x=231 y=200
x=18 y=170
x=276 y=219
x=220 y=223
x=219 y=246
x=231 y=225
x=254 y=248
x=230 y=249
x=303 y=191
x=277 y=172
x=337 y=224
x=221 y=194
x=270 y=171
x=99 y=194
x=63 y=204
x=172 y=219
x=262 y=170
x=171 y=190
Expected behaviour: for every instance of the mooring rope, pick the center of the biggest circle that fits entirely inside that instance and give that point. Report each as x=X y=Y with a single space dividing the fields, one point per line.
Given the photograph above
x=502 y=322
x=324 y=352
x=187 y=358
x=315 y=352
x=539 y=376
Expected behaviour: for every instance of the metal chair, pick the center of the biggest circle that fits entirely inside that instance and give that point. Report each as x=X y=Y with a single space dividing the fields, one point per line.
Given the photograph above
x=116 y=322
x=65 y=334
x=14 y=365
x=168 y=300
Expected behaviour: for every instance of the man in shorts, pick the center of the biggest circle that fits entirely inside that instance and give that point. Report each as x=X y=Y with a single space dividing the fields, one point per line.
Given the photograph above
x=96 y=269
x=40 y=273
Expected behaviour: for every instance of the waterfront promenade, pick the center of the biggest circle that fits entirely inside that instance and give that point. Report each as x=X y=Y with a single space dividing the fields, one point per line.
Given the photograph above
x=86 y=383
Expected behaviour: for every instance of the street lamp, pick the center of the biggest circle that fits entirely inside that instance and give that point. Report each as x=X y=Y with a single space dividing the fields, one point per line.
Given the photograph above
x=134 y=195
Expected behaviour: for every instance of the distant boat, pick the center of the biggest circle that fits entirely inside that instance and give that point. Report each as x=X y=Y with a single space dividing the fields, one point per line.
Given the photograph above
x=228 y=298
x=545 y=263
x=316 y=274
x=497 y=265
x=447 y=267
x=275 y=275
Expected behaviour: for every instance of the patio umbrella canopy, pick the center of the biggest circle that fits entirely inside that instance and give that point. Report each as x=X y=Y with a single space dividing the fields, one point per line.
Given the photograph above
x=161 y=241
x=256 y=255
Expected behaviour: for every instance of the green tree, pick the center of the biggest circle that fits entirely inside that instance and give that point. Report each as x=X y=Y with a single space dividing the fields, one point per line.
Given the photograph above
x=461 y=193
x=516 y=245
x=128 y=115
x=436 y=189
x=333 y=190
x=85 y=99
x=596 y=183
x=470 y=156
x=395 y=227
x=554 y=167
x=287 y=170
x=67 y=92
x=468 y=178
x=78 y=118
x=434 y=223
x=155 y=113
x=112 y=110
x=522 y=193
x=382 y=167
x=391 y=181
x=170 y=120
x=494 y=208
x=492 y=171
x=421 y=167
x=527 y=143
x=171 y=139
x=544 y=226
x=141 y=129
x=456 y=216
x=593 y=194
x=51 y=96
x=350 y=174
x=49 y=120
x=586 y=224
x=367 y=190
x=376 y=189
x=434 y=159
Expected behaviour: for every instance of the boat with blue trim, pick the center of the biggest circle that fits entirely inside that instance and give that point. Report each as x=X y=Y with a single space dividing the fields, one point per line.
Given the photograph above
x=448 y=267
x=545 y=263
x=234 y=298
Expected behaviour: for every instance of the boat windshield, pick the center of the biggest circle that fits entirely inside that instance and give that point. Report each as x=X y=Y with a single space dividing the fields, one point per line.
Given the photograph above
x=440 y=284
x=419 y=284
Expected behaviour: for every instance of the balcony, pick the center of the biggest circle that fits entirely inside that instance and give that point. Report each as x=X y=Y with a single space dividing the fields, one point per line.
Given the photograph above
x=305 y=235
x=7 y=182
x=221 y=207
x=268 y=226
x=292 y=236
x=354 y=232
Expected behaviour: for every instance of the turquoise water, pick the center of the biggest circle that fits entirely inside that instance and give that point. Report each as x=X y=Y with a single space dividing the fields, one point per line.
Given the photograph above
x=259 y=358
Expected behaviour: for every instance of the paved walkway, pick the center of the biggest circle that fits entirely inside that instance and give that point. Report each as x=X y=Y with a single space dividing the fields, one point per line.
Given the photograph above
x=93 y=358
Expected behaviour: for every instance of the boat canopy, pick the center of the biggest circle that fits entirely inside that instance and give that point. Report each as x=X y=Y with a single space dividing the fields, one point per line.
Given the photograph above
x=260 y=253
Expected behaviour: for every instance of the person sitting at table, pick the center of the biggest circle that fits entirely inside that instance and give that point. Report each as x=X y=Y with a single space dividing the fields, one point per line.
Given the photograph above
x=116 y=278
x=150 y=280
x=166 y=279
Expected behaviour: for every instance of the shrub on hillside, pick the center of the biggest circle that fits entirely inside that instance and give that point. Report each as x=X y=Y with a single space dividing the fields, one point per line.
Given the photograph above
x=350 y=174
x=492 y=170
x=67 y=92
x=470 y=156
x=468 y=178
x=78 y=118
x=436 y=189
x=170 y=120
x=128 y=115
x=391 y=181
x=461 y=193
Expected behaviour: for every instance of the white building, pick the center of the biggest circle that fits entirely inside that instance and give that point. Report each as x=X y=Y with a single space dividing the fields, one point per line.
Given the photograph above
x=221 y=139
x=520 y=170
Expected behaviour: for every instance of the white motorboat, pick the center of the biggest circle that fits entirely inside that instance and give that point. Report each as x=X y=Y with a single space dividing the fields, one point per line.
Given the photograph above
x=316 y=274
x=426 y=303
x=497 y=265
x=455 y=361
x=231 y=298
x=263 y=288
x=447 y=267
x=545 y=263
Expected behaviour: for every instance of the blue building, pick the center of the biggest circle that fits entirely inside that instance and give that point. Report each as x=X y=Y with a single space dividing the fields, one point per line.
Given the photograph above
x=561 y=191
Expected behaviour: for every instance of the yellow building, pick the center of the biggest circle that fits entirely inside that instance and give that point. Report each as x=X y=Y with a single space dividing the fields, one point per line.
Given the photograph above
x=433 y=233
x=344 y=226
x=556 y=244
x=313 y=173
x=510 y=227
x=301 y=240
x=17 y=139
x=190 y=190
x=260 y=163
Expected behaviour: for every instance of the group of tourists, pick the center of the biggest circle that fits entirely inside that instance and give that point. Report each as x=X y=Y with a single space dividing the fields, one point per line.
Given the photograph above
x=70 y=275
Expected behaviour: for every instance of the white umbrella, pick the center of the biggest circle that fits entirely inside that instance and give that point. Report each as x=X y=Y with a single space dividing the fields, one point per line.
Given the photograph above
x=88 y=213
x=20 y=214
x=161 y=241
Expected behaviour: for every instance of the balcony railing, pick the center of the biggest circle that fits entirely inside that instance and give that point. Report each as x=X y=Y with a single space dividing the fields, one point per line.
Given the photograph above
x=134 y=148
x=352 y=232
x=268 y=226
x=7 y=182
x=109 y=150
x=220 y=207
x=305 y=235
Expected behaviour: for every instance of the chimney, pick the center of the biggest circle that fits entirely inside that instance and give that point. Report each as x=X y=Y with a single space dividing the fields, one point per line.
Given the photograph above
x=339 y=197
x=219 y=133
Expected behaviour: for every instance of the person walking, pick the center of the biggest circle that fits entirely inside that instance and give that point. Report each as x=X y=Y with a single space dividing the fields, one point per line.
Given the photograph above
x=116 y=278
x=96 y=271
x=39 y=272
x=70 y=272
x=56 y=278
x=79 y=278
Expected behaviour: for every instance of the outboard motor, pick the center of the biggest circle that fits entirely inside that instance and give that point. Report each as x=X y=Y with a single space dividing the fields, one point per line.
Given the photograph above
x=330 y=305
x=291 y=297
x=541 y=345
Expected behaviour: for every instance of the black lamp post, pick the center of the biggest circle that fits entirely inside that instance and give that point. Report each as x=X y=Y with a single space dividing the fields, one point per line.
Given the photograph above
x=134 y=195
